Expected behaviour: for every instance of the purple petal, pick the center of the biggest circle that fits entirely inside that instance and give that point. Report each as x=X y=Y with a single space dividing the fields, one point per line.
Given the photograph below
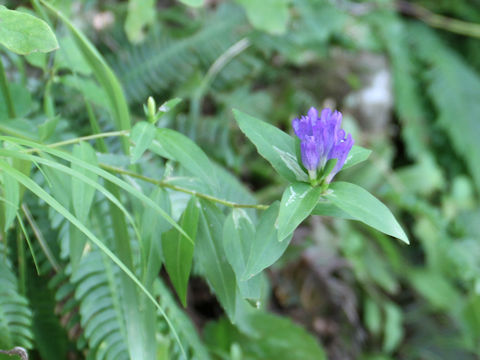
x=313 y=114
x=310 y=153
x=340 y=152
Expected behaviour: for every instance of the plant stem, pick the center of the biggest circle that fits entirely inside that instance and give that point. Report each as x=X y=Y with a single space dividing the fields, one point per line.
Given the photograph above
x=80 y=139
x=6 y=92
x=165 y=184
x=439 y=21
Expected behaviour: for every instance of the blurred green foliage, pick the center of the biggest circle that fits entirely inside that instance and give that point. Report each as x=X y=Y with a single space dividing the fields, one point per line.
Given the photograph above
x=409 y=90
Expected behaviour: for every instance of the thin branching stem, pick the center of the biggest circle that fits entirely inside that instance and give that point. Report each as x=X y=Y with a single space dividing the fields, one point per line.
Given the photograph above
x=166 y=184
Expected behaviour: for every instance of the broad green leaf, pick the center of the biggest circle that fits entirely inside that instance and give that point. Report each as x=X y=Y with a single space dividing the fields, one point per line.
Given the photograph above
x=356 y=155
x=82 y=198
x=82 y=193
x=178 y=250
x=265 y=249
x=238 y=237
x=23 y=33
x=364 y=207
x=180 y=148
x=268 y=15
x=152 y=228
x=103 y=73
x=298 y=201
x=210 y=255
x=194 y=3
x=11 y=193
x=141 y=13
x=273 y=144
x=325 y=207
x=142 y=135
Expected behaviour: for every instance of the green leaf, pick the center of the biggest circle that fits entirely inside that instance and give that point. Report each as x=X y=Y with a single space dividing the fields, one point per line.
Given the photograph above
x=364 y=207
x=298 y=201
x=142 y=135
x=194 y=3
x=177 y=146
x=325 y=207
x=141 y=13
x=281 y=339
x=277 y=147
x=268 y=15
x=210 y=255
x=269 y=337
x=178 y=250
x=238 y=235
x=11 y=193
x=22 y=104
x=168 y=105
x=393 y=327
x=357 y=155
x=24 y=33
x=82 y=193
x=265 y=249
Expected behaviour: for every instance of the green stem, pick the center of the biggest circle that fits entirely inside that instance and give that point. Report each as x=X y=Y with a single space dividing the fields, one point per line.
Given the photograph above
x=21 y=263
x=165 y=184
x=6 y=92
x=95 y=127
x=82 y=138
x=439 y=21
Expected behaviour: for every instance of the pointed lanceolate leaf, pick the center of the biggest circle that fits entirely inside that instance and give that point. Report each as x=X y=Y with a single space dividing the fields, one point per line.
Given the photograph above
x=23 y=33
x=178 y=250
x=298 y=201
x=277 y=147
x=210 y=255
x=265 y=249
x=82 y=194
x=364 y=207
x=174 y=145
x=325 y=207
x=238 y=237
x=11 y=194
x=356 y=155
x=142 y=136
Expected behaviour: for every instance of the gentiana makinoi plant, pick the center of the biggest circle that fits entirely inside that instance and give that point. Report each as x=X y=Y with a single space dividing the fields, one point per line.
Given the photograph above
x=325 y=149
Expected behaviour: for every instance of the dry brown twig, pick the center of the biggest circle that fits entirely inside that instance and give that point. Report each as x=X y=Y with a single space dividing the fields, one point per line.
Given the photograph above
x=17 y=350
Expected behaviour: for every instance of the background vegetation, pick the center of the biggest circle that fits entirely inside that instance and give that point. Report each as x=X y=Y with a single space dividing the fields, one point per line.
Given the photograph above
x=405 y=74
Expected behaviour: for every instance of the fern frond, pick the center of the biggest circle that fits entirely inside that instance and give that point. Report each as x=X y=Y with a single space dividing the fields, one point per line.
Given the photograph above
x=98 y=298
x=163 y=60
x=15 y=313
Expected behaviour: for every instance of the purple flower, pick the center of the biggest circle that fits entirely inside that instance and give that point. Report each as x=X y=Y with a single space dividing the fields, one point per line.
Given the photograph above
x=322 y=139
